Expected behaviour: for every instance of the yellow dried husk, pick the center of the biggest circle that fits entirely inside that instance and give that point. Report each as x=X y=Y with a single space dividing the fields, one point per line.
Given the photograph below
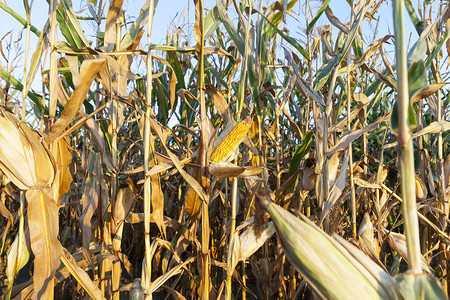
x=23 y=158
x=226 y=147
x=397 y=241
x=243 y=245
x=421 y=189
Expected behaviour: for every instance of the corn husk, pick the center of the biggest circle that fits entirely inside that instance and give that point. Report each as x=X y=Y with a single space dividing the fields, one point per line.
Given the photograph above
x=243 y=245
x=229 y=142
x=415 y=286
x=397 y=241
x=23 y=158
x=333 y=267
x=421 y=189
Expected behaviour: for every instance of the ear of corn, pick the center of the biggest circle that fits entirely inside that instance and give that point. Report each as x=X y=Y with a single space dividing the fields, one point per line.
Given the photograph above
x=23 y=158
x=397 y=241
x=225 y=150
x=419 y=286
x=330 y=264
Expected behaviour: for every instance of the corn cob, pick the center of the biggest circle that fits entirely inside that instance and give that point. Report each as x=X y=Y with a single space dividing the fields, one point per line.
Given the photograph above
x=226 y=147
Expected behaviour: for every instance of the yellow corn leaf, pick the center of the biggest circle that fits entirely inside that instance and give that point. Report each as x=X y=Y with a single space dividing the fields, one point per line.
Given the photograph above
x=224 y=170
x=122 y=206
x=157 y=199
x=47 y=250
x=110 y=28
x=63 y=158
x=88 y=71
x=89 y=201
x=80 y=275
x=192 y=204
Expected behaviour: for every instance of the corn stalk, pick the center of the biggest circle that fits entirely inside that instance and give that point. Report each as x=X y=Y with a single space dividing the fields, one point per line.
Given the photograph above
x=148 y=138
x=406 y=156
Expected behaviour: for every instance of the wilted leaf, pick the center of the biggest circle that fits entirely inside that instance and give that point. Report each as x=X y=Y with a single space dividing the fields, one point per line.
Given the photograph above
x=16 y=260
x=337 y=188
x=157 y=199
x=80 y=275
x=428 y=91
x=309 y=174
x=362 y=98
x=63 y=157
x=192 y=204
x=224 y=170
x=110 y=38
x=88 y=71
x=122 y=206
x=167 y=275
x=43 y=223
x=351 y=136
x=398 y=242
x=89 y=200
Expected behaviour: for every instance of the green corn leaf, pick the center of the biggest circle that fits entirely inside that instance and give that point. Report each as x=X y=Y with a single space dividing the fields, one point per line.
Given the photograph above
x=316 y=18
x=301 y=151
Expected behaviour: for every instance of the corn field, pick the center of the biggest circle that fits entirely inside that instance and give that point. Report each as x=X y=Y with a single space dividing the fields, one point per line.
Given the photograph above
x=240 y=159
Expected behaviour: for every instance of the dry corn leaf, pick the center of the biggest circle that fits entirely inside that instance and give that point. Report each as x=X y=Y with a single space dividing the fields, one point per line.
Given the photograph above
x=189 y=179
x=350 y=137
x=447 y=170
x=337 y=188
x=80 y=275
x=333 y=167
x=88 y=71
x=427 y=91
x=63 y=157
x=192 y=204
x=110 y=38
x=398 y=242
x=224 y=170
x=366 y=184
x=157 y=198
x=434 y=127
x=73 y=66
x=4 y=211
x=362 y=98
x=43 y=223
x=167 y=275
x=89 y=202
x=234 y=253
x=309 y=174
x=122 y=206
x=220 y=104
x=98 y=138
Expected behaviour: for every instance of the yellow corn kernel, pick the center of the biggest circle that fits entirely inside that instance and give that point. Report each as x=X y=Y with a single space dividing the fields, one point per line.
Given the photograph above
x=231 y=141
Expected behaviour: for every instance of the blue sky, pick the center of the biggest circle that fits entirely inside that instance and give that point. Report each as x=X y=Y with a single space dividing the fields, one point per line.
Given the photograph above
x=172 y=14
